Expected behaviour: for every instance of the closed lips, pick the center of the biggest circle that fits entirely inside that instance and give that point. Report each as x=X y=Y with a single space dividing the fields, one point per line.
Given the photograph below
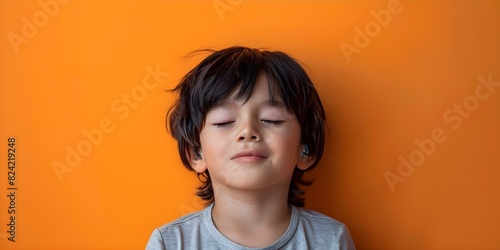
x=249 y=154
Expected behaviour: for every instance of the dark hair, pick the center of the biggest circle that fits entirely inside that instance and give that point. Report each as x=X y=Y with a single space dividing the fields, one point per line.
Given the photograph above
x=222 y=72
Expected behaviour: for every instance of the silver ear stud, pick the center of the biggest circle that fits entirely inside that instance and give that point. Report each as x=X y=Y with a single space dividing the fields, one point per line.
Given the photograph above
x=305 y=151
x=198 y=155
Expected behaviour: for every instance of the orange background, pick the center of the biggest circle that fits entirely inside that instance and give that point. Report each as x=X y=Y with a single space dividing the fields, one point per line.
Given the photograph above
x=395 y=89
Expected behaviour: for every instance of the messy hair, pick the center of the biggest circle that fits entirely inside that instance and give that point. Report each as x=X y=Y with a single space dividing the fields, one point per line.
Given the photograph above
x=237 y=69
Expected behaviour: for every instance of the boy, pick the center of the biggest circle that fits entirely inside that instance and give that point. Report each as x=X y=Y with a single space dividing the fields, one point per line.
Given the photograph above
x=250 y=123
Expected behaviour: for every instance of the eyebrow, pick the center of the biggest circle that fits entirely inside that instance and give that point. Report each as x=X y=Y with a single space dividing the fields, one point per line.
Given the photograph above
x=268 y=103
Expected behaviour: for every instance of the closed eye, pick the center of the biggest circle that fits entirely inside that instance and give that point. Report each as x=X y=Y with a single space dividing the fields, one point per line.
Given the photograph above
x=222 y=124
x=273 y=122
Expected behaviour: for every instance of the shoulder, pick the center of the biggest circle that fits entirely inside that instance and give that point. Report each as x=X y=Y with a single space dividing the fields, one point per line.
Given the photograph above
x=320 y=226
x=176 y=231
x=189 y=220
x=319 y=220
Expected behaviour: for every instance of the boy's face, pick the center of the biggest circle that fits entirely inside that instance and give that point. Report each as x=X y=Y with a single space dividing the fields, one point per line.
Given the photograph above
x=252 y=145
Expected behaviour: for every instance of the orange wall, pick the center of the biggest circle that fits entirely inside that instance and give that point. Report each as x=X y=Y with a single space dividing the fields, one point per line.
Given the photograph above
x=66 y=69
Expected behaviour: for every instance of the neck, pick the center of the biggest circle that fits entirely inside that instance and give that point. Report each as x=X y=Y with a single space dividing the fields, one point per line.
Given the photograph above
x=254 y=218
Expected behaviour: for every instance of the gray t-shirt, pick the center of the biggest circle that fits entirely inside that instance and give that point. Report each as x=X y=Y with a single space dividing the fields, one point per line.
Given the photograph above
x=307 y=230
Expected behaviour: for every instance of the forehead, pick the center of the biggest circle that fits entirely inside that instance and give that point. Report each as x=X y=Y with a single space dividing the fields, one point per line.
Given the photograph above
x=263 y=92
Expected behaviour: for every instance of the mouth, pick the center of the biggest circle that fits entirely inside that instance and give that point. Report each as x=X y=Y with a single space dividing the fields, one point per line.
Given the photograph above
x=249 y=156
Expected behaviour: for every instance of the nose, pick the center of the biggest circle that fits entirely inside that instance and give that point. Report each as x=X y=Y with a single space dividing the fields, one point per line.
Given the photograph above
x=249 y=131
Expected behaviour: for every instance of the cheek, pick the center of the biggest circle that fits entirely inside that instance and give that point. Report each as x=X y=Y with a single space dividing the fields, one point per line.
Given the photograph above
x=287 y=141
x=212 y=144
x=205 y=139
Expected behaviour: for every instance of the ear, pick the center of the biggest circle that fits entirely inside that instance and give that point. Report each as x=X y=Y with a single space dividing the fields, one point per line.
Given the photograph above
x=196 y=161
x=303 y=163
